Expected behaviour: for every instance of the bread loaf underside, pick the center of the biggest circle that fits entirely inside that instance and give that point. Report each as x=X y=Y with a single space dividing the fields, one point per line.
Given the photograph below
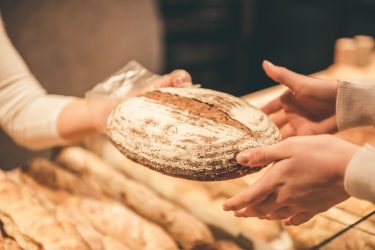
x=190 y=133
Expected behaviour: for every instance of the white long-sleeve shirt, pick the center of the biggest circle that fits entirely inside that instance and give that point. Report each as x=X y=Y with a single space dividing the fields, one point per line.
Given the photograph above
x=356 y=107
x=27 y=113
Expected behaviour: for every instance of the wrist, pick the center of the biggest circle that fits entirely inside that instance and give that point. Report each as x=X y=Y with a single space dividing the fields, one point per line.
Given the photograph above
x=346 y=156
x=98 y=110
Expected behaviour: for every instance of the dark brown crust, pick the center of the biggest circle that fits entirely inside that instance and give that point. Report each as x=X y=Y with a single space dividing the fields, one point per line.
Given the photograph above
x=234 y=170
x=198 y=108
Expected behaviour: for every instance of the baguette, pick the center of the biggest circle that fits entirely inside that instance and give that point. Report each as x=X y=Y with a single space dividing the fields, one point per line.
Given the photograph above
x=192 y=133
x=50 y=198
x=51 y=175
x=32 y=225
x=358 y=207
x=346 y=218
x=115 y=220
x=321 y=227
x=106 y=218
x=93 y=237
x=9 y=244
x=184 y=228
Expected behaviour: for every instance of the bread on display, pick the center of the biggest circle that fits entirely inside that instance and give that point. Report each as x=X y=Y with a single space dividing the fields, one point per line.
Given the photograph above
x=193 y=133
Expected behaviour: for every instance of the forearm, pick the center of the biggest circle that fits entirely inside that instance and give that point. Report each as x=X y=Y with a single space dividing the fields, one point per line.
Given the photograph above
x=82 y=117
x=355 y=104
x=31 y=117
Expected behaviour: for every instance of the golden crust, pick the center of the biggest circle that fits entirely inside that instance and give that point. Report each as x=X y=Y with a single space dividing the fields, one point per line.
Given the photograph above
x=32 y=225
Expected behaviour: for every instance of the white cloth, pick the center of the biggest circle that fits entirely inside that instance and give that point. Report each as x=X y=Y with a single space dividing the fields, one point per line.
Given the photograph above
x=356 y=107
x=360 y=174
x=27 y=113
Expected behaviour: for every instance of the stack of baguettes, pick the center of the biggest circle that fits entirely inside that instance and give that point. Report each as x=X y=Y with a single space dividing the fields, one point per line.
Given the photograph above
x=81 y=202
x=205 y=200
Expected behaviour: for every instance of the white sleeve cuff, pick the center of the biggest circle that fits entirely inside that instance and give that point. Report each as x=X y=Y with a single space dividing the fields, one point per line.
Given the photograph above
x=37 y=128
x=355 y=104
x=360 y=174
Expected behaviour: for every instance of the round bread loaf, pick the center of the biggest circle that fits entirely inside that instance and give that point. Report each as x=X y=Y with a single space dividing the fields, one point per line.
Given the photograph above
x=193 y=133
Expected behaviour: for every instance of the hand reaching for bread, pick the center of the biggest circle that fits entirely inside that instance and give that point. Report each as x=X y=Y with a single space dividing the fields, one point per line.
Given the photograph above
x=90 y=114
x=306 y=177
x=306 y=108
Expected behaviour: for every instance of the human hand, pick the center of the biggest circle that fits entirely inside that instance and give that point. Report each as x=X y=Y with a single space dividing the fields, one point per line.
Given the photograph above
x=306 y=178
x=177 y=78
x=307 y=107
x=100 y=108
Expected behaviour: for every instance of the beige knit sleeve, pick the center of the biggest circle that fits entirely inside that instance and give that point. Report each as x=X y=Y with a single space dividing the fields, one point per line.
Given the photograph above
x=360 y=174
x=355 y=104
x=27 y=113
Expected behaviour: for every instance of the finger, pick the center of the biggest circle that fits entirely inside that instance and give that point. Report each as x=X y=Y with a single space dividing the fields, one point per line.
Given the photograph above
x=177 y=78
x=262 y=156
x=281 y=213
x=279 y=118
x=267 y=205
x=180 y=78
x=249 y=211
x=298 y=219
x=284 y=76
x=253 y=194
x=273 y=106
x=287 y=131
x=259 y=210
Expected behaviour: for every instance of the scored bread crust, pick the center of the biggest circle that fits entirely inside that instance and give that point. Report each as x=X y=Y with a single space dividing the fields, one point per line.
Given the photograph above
x=192 y=133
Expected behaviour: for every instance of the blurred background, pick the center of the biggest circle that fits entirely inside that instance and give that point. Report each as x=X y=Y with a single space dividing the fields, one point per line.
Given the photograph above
x=72 y=45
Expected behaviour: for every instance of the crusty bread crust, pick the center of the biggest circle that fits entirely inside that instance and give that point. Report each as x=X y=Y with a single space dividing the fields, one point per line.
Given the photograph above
x=190 y=133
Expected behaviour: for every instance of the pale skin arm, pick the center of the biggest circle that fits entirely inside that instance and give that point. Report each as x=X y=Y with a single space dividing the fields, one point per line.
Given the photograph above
x=82 y=117
x=37 y=120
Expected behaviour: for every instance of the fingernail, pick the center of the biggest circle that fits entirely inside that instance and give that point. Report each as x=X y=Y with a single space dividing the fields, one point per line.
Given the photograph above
x=269 y=63
x=243 y=157
x=225 y=208
x=181 y=81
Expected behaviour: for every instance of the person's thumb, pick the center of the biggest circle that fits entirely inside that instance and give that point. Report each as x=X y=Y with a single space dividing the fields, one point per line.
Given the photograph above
x=262 y=156
x=285 y=76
